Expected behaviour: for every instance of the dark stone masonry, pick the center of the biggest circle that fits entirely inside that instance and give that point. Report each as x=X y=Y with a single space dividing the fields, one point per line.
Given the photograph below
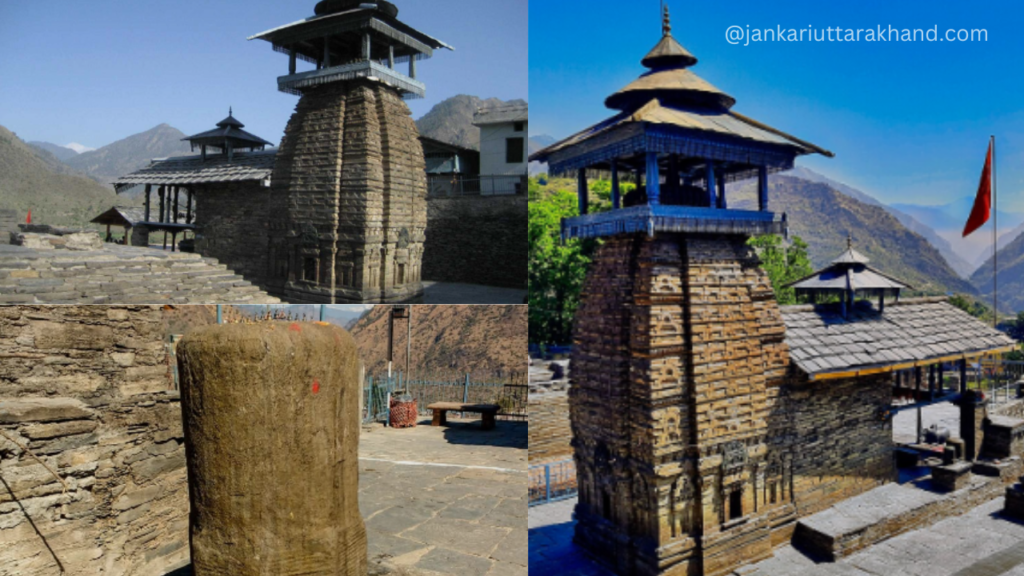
x=477 y=240
x=348 y=200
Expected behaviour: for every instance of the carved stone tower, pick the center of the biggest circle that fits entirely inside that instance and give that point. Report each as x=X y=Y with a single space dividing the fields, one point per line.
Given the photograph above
x=678 y=333
x=348 y=192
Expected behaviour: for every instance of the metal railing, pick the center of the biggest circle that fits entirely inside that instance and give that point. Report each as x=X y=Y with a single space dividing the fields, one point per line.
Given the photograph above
x=507 y=391
x=552 y=482
x=446 y=185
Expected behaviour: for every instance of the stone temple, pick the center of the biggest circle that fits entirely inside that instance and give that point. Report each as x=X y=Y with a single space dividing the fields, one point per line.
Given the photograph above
x=348 y=196
x=706 y=420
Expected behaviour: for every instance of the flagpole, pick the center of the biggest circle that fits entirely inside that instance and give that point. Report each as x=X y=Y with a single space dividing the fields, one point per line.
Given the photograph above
x=995 y=241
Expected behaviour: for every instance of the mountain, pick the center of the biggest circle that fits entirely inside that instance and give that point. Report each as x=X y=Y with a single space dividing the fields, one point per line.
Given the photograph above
x=447 y=339
x=961 y=266
x=540 y=141
x=61 y=152
x=79 y=148
x=129 y=154
x=1010 y=271
x=823 y=216
x=534 y=144
x=948 y=221
x=27 y=181
x=452 y=120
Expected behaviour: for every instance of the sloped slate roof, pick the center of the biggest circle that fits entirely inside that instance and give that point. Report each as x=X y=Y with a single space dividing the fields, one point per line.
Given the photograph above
x=501 y=114
x=120 y=216
x=185 y=170
x=724 y=123
x=916 y=331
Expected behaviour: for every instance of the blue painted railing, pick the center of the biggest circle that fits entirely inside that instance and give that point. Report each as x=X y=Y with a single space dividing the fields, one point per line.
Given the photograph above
x=509 y=392
x=552 y=482
x=667 y=218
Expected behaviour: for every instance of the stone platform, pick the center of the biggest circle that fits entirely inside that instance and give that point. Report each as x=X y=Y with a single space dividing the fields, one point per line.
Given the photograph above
x=118 y=274
x=888 y=511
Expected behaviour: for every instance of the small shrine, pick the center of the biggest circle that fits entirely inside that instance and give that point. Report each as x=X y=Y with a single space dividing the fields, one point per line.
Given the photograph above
x=846 y=279
x=227 y=137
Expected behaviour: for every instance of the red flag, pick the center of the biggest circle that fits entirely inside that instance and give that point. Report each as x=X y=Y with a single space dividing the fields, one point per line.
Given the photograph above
x=29 y=220
x=983 y=201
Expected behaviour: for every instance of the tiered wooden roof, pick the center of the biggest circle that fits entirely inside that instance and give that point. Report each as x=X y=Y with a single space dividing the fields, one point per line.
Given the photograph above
x=228 y=135
x=350 y=39
x=672 y=110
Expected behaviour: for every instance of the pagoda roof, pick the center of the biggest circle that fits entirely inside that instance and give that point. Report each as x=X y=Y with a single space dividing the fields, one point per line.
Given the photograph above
x=668 y=52
x=849 y=273
x=913 y=332
x=228 y=129
x=721 y=123
x=672 y=110
x=351 y=16
x=677 y=85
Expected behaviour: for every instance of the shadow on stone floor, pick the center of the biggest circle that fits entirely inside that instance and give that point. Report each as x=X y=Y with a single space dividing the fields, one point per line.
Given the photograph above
x=553 y=553
x=507 y=433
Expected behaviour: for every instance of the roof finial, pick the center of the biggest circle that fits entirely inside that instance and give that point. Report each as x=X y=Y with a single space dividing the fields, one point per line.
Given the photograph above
x=849 y=241
x=230 y=111
x=666 y=24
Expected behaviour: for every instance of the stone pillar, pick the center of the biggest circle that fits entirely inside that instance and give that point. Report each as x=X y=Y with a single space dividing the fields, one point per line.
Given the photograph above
x=972 y=419
x=348 y=198
x=272 y=490
x=675 y=340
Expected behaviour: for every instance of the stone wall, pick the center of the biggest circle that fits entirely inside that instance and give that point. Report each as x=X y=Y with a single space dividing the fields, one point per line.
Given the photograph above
x=232 y=222
x=9 y=220
x=550 y=434
x=88 y=390
x=834 y=434
x=477 y=240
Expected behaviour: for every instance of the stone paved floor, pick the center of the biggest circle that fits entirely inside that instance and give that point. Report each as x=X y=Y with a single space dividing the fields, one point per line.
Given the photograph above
x=904 y=424
x=444 y=500
x=979 y=543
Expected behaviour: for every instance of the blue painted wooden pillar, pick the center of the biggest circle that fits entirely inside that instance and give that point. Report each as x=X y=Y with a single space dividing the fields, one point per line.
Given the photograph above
x=581 y=189
x=709 y=178
x=762 y=188
x=720 y=179
x=672 y=177
x=653 y=179
x=616 y=199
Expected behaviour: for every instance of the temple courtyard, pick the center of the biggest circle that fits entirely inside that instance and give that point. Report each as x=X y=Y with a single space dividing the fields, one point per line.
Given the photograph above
x=981 y=542
x=443 y=500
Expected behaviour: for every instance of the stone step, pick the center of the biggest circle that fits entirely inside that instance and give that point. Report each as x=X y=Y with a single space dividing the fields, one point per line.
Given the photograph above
x=119 y=274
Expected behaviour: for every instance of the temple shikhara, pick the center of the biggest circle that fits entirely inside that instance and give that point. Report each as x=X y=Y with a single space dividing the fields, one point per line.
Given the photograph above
x=709 y=424
x=337 y=213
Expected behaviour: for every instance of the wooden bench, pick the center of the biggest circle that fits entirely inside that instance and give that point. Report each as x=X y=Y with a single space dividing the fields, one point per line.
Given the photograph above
x=489 y=411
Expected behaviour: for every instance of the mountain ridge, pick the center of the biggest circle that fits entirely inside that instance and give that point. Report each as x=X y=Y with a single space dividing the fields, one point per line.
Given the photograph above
x=129 y=154
x=451 y=120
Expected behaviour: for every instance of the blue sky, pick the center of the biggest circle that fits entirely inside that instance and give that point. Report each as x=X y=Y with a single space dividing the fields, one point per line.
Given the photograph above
x=97 y=71
x=909 y=122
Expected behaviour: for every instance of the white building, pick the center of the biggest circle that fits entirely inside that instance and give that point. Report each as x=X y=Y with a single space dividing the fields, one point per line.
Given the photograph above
x=503 y=148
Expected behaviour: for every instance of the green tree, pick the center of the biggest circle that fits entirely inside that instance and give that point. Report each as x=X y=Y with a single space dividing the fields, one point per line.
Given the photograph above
x=557 y=269
x=784 y=264
x=972 y=307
